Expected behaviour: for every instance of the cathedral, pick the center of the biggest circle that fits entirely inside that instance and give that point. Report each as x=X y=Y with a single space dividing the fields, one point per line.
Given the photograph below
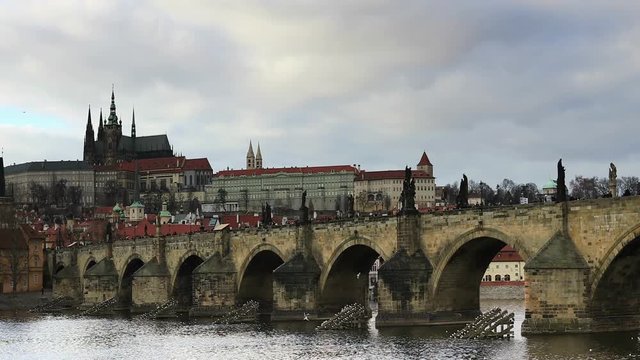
x=111 y=146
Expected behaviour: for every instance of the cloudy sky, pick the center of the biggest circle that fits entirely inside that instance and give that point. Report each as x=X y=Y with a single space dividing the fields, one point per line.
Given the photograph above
x=494 y=89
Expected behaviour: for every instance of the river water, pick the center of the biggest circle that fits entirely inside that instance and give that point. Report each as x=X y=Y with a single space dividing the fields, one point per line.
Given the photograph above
x=26 y=336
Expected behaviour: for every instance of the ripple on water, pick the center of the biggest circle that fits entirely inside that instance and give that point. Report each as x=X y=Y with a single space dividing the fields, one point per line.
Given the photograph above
x=59 y=337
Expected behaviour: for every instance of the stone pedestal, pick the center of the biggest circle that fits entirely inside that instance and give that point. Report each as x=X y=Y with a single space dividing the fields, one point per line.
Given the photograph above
x=402 y=290
x=214 y=286
x=150 y=286
x=556 y=289
x=295 y=289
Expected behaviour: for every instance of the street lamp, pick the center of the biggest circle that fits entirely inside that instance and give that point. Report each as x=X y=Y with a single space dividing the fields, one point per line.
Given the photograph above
x=481 y=194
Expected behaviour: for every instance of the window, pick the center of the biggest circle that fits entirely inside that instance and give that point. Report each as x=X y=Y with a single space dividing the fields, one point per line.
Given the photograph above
x=498 y=278
x=487 y=278
x=507 y=277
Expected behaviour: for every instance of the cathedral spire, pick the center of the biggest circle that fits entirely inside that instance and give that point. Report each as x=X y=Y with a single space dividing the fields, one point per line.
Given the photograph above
x=133 y=124
x=100 y=127
x=89 y=124
x=89 y=141
x=251 y=158
x=258 y=158
x=113 y=118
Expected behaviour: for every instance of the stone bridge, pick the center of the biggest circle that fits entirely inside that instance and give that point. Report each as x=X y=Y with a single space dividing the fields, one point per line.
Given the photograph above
x=582 y=269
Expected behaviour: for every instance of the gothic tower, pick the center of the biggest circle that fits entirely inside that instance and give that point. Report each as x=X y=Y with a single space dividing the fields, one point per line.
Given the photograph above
x=251 y=158
x=89 y=142
x=112 y=134
x=425 y=165
x=100 y=128
x=258 y=158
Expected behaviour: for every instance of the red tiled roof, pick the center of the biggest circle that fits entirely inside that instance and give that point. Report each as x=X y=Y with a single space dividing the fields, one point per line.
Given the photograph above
x=166 y=164
x=197 y=164
x=507 y=253
x=424 y=160
x=291 y=170
x=390 y=174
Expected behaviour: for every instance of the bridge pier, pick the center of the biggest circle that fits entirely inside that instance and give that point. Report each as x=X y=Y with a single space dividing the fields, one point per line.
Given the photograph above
x=403 y=294
x=151 y=283
x=295 y=289
x=557 y=289
x=214 y=286
x=150 y=286
x=66 y=281
x=100 y=283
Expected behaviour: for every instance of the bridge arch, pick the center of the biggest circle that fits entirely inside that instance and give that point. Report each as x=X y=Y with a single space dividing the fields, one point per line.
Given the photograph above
x=455 y=281
x=618 y=245
x=344 y=278
x=133 y=264
x=91 y=261
x=615 y=288
x=450 y=250
x=255 y=279
x=182 y=278
x=359 y=240
x=59 y=267
x=252 y=254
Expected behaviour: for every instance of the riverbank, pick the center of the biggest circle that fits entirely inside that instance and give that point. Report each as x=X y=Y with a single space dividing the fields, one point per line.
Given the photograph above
x=23 y=301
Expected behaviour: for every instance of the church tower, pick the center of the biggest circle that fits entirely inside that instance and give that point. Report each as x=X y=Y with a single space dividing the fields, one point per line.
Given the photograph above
x=89 y=142
x=258 y=158
x=251 y=158
x=112 y=134
x=425 y=165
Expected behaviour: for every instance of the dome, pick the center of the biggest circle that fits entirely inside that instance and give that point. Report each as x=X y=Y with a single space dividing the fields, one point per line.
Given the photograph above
x=551 y=184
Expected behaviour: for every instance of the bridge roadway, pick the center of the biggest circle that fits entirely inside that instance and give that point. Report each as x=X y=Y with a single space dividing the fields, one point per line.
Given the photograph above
x=582 y=267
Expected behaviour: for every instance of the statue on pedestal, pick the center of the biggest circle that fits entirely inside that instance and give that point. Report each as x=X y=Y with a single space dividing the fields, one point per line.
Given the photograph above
x=462 y=201
x=561 y=189
x=304 y=218
x=408 y=194
x=613 y=180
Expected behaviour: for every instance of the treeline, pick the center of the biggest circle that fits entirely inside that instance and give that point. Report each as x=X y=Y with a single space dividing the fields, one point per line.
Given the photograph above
x=509 y=192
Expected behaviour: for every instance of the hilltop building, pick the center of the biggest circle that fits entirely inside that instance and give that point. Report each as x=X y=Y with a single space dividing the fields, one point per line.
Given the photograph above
x=31 y=183
x=380 y=190
x=110 y=146
x=249 y=189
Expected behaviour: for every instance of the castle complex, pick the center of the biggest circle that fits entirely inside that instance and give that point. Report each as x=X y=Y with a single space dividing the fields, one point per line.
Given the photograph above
x=111 y=146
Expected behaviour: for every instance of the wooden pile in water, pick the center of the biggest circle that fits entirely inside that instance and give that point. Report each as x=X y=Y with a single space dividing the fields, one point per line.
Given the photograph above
x=95 y=309
x=50 y=305
x=245 y=313
x=170 y=304
x=350 y=317
x=495 y=323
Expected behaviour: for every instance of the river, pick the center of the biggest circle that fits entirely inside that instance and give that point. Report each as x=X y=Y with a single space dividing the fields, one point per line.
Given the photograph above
x=27 y=336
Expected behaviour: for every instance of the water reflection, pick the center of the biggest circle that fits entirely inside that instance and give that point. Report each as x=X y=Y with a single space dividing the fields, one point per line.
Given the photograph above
x=27 y=336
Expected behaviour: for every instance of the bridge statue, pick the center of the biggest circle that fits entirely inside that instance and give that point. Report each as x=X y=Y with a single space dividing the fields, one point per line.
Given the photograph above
x=462 y=200
x=304 y=218
x=561 y=191
x=613 y=180
x=266 y=217
x=408 y=194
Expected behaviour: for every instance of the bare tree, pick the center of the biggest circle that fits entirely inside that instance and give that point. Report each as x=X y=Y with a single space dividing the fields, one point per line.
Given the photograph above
x=18 y=250
x=629 y=185
x=221 y=199
x=39 y=194
x=588 y=187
